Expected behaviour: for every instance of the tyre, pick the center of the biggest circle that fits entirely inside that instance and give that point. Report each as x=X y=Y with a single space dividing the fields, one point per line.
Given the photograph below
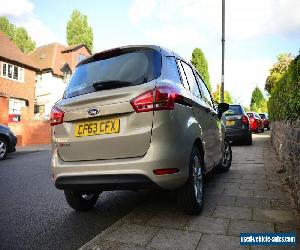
x=81 y=201
x=3 y=148
x=226 y=158
x=190 y=196
x=249 y=140
x=268 y=128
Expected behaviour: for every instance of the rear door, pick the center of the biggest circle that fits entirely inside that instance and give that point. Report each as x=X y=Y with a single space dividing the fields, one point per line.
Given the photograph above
x=201 y=112
x=215 y=125
x=99 y=121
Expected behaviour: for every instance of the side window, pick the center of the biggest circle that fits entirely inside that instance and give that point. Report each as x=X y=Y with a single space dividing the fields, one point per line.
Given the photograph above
x=172 y=71
x=205 y=92
x=183 y=76
x=191 y=79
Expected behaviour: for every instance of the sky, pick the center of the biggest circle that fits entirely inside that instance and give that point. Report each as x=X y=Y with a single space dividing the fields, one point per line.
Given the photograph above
x=256 y=31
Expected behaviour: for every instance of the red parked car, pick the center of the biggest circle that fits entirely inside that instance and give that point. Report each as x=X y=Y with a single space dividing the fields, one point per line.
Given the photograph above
x=256 y=123
x=265 y=119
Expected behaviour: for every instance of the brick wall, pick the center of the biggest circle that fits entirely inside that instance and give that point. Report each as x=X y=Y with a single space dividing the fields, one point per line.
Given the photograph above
x=31 y=132
x=285 y=137
x=3 y=110
x=16 y=89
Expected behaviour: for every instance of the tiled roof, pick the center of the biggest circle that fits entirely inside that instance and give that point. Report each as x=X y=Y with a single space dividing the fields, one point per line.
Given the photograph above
x=11 y=52
x=49 y=57
x=72 y=47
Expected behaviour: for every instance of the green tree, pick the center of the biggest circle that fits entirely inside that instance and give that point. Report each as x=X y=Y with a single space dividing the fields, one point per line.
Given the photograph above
x=258 y=101
x=278 y=70
x=227 y=97
x=6 y=27
x=78 y=30
x=18 y=35
x=200 y=63
x=23 y=40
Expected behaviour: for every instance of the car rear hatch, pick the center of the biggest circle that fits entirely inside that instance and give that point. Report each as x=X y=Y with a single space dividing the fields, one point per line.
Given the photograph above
x=233 y=117
x=99 y=121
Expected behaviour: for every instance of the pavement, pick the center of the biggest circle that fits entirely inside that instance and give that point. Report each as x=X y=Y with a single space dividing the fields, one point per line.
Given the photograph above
x=33 y=148
x=251 y=197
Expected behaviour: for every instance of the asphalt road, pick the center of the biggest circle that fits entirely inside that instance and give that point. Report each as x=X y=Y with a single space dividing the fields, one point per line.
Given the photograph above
x=35 y=215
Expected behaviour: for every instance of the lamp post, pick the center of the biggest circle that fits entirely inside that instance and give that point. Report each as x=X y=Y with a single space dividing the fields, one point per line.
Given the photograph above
x=223 y=50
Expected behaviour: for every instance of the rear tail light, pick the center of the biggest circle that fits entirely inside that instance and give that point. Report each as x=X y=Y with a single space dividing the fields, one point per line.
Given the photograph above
x=245 y=120
x=56 y=116
x=160 y=98
x=163 y=171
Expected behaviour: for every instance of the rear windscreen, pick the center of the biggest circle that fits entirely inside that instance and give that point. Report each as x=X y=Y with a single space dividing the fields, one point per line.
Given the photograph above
x=262 y=116
x=133 y=67
x=234 y=110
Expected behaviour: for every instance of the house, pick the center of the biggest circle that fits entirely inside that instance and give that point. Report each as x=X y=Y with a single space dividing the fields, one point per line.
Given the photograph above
x=17 y=81
x=56 y=63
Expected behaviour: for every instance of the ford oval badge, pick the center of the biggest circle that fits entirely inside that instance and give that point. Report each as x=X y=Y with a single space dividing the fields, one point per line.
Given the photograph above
x=93 y=111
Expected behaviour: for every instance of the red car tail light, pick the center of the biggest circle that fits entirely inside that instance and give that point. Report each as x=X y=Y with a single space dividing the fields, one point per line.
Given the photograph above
x=56 y=116
x=163 y=171
x=160 y=98
x=245 y=120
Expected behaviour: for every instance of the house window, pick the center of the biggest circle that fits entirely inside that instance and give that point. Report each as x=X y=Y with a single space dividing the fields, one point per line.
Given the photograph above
x=81 y=57
x=39 y=109
x=12 y=72
x=16 y=105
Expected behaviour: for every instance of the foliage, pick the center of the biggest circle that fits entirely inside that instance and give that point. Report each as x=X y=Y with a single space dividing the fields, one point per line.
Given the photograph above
x=227 y=97
x=78 y=30
x=258 y=101
x=23 y=40
x=278 y=70
x=18 y=35
x=200 y=63
x=284 y=103
x=6 y=27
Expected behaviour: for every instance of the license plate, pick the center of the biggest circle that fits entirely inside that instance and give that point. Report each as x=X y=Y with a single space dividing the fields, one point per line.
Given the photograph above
x=97 y=127
x=230 y=123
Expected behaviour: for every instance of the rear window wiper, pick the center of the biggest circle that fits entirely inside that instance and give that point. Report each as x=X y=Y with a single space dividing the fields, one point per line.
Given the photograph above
x=101 y=85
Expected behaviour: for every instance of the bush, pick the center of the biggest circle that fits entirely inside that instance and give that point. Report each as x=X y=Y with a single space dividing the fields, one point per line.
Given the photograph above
x=284 y=103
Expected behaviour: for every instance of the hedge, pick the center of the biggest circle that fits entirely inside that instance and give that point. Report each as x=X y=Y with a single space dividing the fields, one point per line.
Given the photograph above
x=284 y=103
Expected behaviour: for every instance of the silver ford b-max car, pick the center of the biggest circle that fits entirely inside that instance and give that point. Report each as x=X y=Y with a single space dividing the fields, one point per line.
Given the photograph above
x=136 y=117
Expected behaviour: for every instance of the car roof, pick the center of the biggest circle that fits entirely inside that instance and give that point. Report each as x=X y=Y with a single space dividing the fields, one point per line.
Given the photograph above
x=163 y=51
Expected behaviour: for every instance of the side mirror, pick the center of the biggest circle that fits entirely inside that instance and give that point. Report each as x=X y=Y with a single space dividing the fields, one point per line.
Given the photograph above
x=222 y=107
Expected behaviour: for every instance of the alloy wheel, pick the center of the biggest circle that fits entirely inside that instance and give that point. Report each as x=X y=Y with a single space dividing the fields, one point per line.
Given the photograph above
x=2 y=149
x=197 y=179
x=226 y=155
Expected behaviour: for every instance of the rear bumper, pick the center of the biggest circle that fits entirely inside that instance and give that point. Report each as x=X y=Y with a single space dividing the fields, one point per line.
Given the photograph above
x=104 y=182
x=238 y=134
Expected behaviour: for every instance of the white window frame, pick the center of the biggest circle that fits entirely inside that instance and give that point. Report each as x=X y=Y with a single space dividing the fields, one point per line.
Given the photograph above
x=20 y=71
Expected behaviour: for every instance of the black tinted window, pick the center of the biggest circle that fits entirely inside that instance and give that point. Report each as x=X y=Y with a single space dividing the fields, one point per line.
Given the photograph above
x=191 y=79
x=134 y=67
x=234 y=110
x=183 y=76
x=172 y=71
x=204 y=90
x=262 y=116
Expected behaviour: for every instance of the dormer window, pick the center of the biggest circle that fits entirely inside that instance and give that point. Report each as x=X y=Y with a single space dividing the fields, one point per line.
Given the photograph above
x=80 y=58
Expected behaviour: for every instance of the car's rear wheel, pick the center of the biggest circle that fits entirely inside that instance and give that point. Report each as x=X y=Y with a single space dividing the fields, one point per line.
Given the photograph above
x=81 y=201
x=268 y=128
x=3 y=148
x=249 y=140
x=190 y=196
x=226 y=158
